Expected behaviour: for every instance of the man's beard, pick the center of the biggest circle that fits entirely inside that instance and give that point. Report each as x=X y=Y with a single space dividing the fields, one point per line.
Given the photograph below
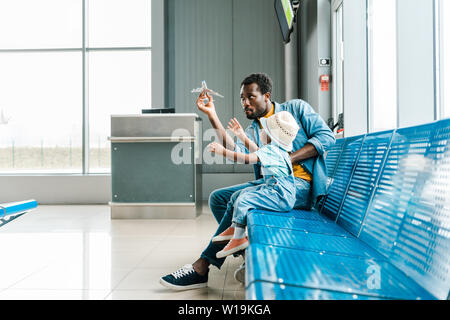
x=253 y=115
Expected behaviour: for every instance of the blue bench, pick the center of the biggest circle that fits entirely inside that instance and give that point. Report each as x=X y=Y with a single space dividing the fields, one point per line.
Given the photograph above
x=13 y=210
x=382 y=231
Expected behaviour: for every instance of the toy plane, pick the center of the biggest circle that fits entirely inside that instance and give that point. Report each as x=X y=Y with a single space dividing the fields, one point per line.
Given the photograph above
x=205 y=88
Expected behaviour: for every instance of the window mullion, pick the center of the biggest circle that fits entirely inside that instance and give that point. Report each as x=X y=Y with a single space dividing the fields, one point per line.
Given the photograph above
x=85 y=73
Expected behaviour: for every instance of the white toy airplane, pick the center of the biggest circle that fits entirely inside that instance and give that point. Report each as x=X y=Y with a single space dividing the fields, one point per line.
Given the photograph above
x=3 y=118
x=205 y=88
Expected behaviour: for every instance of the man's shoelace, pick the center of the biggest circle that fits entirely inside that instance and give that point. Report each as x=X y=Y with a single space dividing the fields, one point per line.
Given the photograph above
x=184 y=271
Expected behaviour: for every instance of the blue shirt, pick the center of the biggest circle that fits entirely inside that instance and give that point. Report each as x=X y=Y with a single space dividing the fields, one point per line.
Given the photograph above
x=273 y=161
x=313 y=130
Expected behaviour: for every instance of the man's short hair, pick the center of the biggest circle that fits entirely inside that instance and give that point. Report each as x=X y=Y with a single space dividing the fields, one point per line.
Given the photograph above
x=261 y=79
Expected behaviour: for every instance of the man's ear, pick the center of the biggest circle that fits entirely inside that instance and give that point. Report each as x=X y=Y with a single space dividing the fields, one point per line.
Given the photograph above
x=267 y=96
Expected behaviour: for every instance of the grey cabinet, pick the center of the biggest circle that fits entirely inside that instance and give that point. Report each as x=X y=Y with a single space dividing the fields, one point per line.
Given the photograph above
x=156 y=166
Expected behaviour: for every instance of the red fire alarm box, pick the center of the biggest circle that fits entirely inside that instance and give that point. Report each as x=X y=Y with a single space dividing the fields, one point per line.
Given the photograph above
x=325 y=82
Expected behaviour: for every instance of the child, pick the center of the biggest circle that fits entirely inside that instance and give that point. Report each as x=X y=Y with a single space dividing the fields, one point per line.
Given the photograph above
x=277 y=193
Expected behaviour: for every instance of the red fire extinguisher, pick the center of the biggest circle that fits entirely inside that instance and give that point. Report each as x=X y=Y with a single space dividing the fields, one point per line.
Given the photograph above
x=325 y=82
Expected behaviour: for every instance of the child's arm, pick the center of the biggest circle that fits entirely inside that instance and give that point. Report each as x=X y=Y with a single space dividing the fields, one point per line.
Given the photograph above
x=237 y=129
x=233 y=156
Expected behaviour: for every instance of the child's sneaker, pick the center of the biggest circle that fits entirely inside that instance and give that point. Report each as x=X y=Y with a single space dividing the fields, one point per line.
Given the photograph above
x=227 y=235
x=233 y=246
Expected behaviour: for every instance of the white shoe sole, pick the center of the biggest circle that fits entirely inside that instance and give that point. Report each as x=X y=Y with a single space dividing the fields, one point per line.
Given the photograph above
x=182 y=288
x=221 y=238
x=239 y=275
x=223 y=254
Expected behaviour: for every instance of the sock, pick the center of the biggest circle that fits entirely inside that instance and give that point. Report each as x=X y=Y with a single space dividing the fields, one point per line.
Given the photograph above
x=239 y=231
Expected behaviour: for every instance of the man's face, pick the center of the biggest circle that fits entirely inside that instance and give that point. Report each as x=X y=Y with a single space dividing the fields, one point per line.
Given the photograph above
x=254 y=102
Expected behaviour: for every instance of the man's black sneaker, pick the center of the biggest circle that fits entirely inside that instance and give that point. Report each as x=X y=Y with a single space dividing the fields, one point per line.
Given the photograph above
x=239 y=274
x=185 y=278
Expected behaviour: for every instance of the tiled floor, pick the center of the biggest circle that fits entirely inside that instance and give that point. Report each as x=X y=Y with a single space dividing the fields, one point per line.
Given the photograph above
x=78 y=252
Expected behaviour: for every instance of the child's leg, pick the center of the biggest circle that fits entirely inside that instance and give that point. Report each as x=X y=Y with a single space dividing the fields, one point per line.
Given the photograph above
x=264 y=198
x=239 y=231
x=227 y=234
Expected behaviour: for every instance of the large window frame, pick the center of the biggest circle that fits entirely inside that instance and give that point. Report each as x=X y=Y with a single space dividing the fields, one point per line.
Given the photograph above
x=372 y=126
x=338 y=57
x=85 y=50
x=442 y=96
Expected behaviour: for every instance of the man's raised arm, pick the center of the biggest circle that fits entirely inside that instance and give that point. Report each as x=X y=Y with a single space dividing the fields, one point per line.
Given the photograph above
x=210 y=110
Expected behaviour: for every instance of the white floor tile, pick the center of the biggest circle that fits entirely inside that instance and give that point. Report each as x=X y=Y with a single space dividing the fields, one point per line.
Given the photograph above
x=64 y=277
x=78 y=252
x=14 y=294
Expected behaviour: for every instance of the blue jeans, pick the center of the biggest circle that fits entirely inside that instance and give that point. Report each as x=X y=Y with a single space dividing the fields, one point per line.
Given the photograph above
x=276 y=194
x=222 y=201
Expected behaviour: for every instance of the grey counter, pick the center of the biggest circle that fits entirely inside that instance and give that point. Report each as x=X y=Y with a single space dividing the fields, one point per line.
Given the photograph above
x=156 y=166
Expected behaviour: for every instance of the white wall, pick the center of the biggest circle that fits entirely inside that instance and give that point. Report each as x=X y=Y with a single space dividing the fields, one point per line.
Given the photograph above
x=56 y=189
x=93 y=189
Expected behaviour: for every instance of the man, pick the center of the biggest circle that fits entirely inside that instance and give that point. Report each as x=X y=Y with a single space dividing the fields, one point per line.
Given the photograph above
x=309 y=147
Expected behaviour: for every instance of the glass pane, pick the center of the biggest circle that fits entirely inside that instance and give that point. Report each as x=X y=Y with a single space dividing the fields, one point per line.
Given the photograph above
x=339 y=63
x=40 y=24
x=119 y=83
x=383 y=68
x=119 y=23
x=445 y=90
x=40 y=111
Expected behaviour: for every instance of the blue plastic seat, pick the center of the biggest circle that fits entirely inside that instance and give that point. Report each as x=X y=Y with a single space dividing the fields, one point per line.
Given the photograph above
x=295 y=214
x=409 y=218
x=317 y=242
x=292 y=223
x=275 y=291
x=386 y=234
x=342 y=274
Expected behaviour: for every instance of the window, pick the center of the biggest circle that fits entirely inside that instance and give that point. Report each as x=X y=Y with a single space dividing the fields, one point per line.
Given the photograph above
x=40 y=24
x=41 y=99
x=119 y=83
x=55 y=70
x=382 y=65
x=119 y=80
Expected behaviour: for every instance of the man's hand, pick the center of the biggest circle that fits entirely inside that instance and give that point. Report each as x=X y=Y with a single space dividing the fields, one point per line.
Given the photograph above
x=210 y=111
x=236 y=128
x=215 y=147
x=208 y=108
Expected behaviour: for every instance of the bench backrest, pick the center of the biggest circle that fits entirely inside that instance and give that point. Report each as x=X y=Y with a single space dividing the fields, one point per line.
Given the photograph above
x=392 y=190
x=408 y=219
x=332 y=158
x=342 y=175
x=364 y=178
